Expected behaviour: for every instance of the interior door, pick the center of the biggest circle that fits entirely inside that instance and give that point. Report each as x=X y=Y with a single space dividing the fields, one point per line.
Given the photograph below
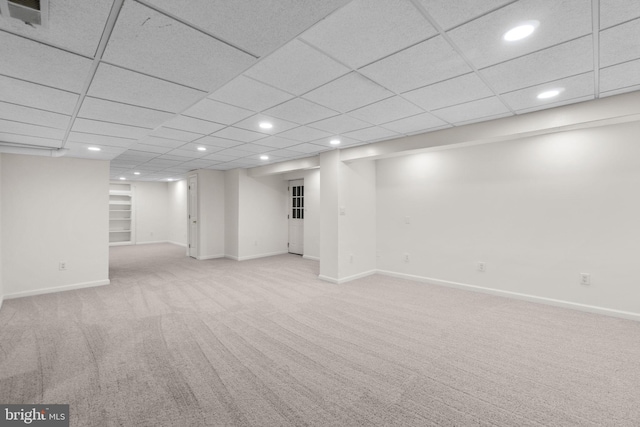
x=193 y=216
x=296 y=217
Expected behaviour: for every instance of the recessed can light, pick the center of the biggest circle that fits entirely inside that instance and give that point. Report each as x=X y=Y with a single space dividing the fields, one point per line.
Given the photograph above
x=549 y=94
x=334 y=142
x=264 y=157
x=93 y=148
x=136 y=173
x=520 y=32
x=169 y=179
x=202 y=149
x=122 y=178
x=265 y=125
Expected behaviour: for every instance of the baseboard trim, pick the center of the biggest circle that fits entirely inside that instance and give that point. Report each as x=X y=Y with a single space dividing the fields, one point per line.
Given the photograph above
x=57 y=289
x=312 y=258
x=184 y=245
x=516 y=295
x=348 y=278
x=153 y=243
x=202 y=258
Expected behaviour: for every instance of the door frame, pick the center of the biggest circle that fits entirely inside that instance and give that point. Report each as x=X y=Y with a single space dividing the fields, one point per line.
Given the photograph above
x=290 y=207
x=193 y=248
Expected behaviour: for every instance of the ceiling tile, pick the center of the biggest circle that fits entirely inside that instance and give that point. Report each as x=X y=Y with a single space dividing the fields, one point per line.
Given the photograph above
x=235 y=152
x=24 y=59
x=120 y=85
x=162 y=162
x=386 y=111
x=366 y=30
x=619 y=91
x=111 y=129
x=73 y=25
x=217 y=142
x=304 y=134
x=147 y=41
x=190 y=154
x=115 y=112
x=178 y=135
x=483 y=119
x=567 y=59
x=18 y=113
x=428 y=62
x=620 y=44
x=31 y=140
x=449 y=92
x=208 y=149
x=151 y=148
x=220 y=157
x=237 y=134
x=80 y=150
x=420 y=122
x=340 y=124
x=300 y=111
x=344 y=142
x=613 y=12
x=253 y=123
x=348 y=93
x=620 y=76
x=571 y=87
x=309 y=148
x=250 y=94
x=560 y=21
x=373 y=133
x=449 y=14
x=37 y=96
x=215 y=111
x=162 y=142
x=472 y=110
x=18 y=128
x=296 y=68
x=255 y=148
x=286 y=154
x=557 y=104
x=277 y=142
x=100 y=140
x=190 y=124
x=256 y=26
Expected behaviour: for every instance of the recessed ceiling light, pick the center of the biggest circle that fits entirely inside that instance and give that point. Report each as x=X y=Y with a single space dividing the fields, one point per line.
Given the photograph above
x=94 y=148
x=265 y=125
x=122 y=178
x=549 y=94
x=136 y=173
x=169 y=179
x=264 y=157
x=521 y=31
x=334 y=142
x=202 y=149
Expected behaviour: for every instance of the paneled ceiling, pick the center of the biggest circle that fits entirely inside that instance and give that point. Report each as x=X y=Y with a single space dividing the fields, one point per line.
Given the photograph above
x=163 y=87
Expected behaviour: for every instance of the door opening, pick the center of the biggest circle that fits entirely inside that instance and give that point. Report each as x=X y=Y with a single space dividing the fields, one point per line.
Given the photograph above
x=296 y=217
x=193 y=216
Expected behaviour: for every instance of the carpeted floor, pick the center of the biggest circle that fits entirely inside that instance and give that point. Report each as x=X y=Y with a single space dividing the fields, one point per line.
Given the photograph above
x=178 y=342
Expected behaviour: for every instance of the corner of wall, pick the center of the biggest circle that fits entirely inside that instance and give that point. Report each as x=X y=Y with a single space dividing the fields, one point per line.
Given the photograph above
x=1 y=286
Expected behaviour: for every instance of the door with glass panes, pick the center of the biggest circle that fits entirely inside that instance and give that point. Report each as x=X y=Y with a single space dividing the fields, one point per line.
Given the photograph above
x=296 y=217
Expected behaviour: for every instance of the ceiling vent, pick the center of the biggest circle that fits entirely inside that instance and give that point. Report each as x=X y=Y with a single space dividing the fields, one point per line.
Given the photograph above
x=31 y=12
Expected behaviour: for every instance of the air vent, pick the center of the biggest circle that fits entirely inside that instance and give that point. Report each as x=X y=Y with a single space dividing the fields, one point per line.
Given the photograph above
x=31 y=12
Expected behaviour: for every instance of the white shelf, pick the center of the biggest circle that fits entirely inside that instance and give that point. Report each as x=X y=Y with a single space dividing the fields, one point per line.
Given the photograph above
x=119 y=231
x=118 y=202
x=121 y=195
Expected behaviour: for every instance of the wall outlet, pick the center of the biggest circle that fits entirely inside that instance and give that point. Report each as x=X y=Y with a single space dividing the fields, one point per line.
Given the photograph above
x=62 y=265
x=585 y=279
x=482 y=266
x=405 y=257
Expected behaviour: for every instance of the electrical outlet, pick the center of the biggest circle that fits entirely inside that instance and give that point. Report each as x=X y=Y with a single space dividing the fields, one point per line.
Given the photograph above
x=405 y=257
x=482 y=266
x=62 y=265
x=585 y=279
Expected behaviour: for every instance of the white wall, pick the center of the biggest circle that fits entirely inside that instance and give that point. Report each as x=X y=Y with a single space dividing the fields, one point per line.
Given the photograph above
x=151 y=212
x=539 y=211
x=53 y=209
x=311 y=210
x=211 y=214
x=231 y=212
x=177 y=213
x=1 y=287
x=329 y=225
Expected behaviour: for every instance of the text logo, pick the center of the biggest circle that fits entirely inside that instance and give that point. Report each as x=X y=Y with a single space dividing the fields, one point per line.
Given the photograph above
x=34 y=415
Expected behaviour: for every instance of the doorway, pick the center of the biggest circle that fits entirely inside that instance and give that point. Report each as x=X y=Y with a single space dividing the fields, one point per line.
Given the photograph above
x=193 y=216
x=296 y=217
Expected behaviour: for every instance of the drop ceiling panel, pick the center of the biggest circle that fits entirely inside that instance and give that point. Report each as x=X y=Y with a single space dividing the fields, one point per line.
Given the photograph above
x=300 y=111
x=18 y=113
x=24 y=59
x=147 y=41
x=613 y=12
x=557 y=104
x=309 y=148
x=572 y=87
x=620 y=44
x=120 y=85
x=237 y=134
x=100 y=140
x=116 y=112
x=373 y=133
x=217 y=142
x=215 y=111
x=450 y=92
x=386 y=111
x=296 y=68
x=449 y=14
x=304 y=134
x=620 y=76
x=111 y=129
x=30 y=140
x=78 y=148
x=250 y=94
x=431 y=61
x=286 y=154
x=340 y=124
x=220 y=157
x=567 y=59
x=18 y=128
x=420 y=122
x=619 y=91
x=275 y=142
x=178 y=135
x=189 y=154
x=151 y=148
x=255 y=148
x=161 y=142
x=256 y=26
x=344 y=142
x=560 y=21
x=235 y=152
x=190 y=124
x=472 y=110
x=366 y=30
x=37 y=96
x=253 y=124
x=73 y=25
x=348 y=93
x=194 y=146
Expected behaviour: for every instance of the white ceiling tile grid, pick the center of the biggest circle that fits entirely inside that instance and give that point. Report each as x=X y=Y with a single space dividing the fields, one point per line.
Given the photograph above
x=250 y=94
x=109 y=129
x=386 y=111
x=419 y=122
x=457 y=90
x=253 y=124
x=570 y=88
x=28 y=129
x=190 y=124
x=450 y=14
x=237 y=134
x=620 y=44
x=473 y=110
x=116 y=112
x=276 y=142
x=373 y=133
x=348 y=93
x=301 y=111
x=178 y=135
x=101 y=140
x=218 y=112
x=620 y=76
x=340 y=124
x=304 y=134
x=613 y=12
x=13 y=138
x=33 y=95
x=18 y=113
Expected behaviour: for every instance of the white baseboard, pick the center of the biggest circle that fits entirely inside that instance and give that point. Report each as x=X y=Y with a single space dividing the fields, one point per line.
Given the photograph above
x=58 y=289
x=233 y=257
x=201 y=258
x=348 y=278
x=184 y=245
x=516 y=295
x=312 y=258
x=246 y=258
x=153 y=243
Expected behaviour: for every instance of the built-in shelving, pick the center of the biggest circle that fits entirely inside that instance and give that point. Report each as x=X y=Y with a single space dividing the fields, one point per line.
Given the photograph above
x=121 y=210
